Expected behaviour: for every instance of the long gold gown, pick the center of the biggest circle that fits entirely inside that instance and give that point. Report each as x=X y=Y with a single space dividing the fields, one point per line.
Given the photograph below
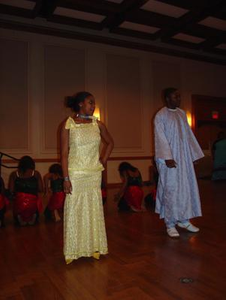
x=84 y=225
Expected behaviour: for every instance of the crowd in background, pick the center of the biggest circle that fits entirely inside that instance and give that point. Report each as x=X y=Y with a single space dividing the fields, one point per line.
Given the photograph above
x=26 y=190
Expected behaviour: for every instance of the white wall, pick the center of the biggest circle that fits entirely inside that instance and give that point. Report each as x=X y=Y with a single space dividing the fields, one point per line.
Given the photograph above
x=38 y=71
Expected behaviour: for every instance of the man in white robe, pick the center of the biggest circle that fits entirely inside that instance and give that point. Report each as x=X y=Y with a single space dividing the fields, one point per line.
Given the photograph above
x=176 y=149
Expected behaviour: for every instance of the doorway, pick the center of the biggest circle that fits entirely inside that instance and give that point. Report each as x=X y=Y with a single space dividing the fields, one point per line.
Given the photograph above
x=208 y=119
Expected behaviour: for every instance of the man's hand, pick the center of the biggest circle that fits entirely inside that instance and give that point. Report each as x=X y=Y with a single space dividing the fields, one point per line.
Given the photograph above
x=170 y=163
x=195 y=162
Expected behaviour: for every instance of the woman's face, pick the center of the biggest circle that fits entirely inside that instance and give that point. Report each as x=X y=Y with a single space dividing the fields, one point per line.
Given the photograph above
x=87 y=106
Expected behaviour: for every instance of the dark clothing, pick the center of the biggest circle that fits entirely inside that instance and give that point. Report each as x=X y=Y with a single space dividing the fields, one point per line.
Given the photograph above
x=26 y=185
x=27 y=204
x=56 y=185
x=133 y=195
x=134 y=181
x=219 y=153
x=3 y=202
x=56 y=201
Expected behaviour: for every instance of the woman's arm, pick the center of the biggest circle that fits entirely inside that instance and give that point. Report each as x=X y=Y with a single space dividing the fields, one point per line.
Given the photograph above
x=105 y=135
x=64 y=158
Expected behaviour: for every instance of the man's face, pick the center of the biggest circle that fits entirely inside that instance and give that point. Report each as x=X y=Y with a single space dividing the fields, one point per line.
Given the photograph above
x=173 y=101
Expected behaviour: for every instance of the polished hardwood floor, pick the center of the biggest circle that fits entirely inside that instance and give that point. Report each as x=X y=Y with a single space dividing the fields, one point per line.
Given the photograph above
x=143 y=262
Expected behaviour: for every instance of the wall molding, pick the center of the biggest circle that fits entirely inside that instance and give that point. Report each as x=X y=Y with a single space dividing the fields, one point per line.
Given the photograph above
x=46 y=160
x=37 y=160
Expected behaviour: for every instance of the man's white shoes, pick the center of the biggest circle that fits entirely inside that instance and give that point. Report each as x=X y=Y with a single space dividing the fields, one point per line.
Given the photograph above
x=172 y=232
x=188 y=226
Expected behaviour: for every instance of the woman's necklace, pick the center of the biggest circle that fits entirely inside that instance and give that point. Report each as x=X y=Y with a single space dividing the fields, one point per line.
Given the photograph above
x=84 y=117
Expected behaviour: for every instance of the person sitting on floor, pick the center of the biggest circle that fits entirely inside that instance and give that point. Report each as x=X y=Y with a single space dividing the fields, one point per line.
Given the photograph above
x=130 y=195
x=219 y=158
x=54 y=180
x=25 y=184
x=103 y=191
x=150 y=198
x=3 y=202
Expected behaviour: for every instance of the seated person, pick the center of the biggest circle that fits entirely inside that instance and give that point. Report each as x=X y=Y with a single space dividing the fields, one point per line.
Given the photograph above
x=25 y=184
x=103 y=191
x=219 y=158
x=3 y=202
x=54 y=180
x=130 y=196
x=150 y=198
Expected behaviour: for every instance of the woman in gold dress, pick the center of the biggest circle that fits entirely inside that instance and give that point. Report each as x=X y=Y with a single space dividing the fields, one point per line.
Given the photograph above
x=84 y=226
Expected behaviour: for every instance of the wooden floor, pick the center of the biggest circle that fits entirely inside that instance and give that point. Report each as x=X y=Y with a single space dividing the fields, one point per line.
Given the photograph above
x=143 y=262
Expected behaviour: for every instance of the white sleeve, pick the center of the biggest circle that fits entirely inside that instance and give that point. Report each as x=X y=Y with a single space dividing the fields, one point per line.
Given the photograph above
x=162 y=147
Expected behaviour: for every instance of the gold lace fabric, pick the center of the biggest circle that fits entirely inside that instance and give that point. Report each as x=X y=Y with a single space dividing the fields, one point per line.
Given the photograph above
x=84 y=225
